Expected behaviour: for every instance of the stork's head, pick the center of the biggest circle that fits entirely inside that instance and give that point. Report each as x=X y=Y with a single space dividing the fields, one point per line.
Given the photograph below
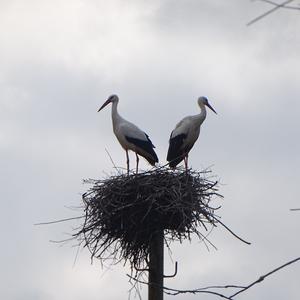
x=204 y=101
x=112 y=98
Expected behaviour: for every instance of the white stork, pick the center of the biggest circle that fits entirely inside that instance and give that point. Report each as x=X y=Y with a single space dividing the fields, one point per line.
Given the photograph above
x=130 y=136
x=185 y=134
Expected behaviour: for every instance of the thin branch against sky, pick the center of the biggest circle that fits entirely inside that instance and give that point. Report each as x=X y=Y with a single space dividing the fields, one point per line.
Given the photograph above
x=285 y=6
x=277 y=6
x=218 y=290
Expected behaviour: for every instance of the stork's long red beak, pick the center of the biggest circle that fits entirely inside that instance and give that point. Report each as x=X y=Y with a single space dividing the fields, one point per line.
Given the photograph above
x=104 y=104
x=208 y=105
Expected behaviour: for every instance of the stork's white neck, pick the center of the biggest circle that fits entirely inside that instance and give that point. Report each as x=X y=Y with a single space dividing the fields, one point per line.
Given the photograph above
x=114 y=113
x=202 y=115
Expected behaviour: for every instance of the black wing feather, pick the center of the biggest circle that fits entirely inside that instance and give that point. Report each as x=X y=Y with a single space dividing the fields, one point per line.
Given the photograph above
x=176 y=152
x=147 y=146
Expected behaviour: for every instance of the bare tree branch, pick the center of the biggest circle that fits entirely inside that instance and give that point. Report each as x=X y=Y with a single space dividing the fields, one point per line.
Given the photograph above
x=277 y=6
x=217 y=290
x=244 y=241
x=285 y=6
x=174 y=292
x=261 y=278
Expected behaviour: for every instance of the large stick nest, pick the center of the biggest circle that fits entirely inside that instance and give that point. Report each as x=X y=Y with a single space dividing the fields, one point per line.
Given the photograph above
x=123 y=212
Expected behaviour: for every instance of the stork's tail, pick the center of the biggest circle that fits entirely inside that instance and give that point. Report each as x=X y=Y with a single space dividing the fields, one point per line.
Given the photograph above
x=174 y=162
x=150 y=156
x=175 y=152
x=145 y=149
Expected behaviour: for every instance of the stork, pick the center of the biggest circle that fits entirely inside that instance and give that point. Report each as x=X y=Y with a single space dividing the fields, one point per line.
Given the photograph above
x=130 y=136
x=185 y=134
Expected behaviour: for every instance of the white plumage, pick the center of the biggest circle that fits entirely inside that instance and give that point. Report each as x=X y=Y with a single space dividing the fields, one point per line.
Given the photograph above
x=185 y=134
x=130 y=136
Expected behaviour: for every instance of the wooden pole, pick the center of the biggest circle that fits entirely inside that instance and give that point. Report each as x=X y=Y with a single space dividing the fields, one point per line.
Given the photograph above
x=156 y=267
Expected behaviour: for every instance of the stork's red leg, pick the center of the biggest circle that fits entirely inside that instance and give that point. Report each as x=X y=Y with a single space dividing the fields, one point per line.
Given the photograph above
x=127 y=161
x=137 y=162
x=186 y=162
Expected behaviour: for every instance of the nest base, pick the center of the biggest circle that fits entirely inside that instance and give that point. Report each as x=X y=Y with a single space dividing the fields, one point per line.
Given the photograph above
x=123 y=212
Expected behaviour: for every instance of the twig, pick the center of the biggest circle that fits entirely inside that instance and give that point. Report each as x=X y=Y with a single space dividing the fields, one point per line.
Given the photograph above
x=59 y=221
x=227 y=228
x=175 y=292
x=261 y=278
x=212 y=289
x=285 y=6
x=112 y=161
x=269 y=12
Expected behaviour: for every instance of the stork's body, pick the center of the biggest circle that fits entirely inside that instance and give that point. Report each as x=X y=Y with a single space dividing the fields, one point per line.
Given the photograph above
x=185 y=134
x=130 y=136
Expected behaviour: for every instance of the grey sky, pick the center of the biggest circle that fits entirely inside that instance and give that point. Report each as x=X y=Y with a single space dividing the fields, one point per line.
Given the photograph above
x=60 y=60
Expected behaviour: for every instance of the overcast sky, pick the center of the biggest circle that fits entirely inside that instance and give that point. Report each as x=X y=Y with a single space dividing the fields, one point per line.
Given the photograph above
x=60 y=60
